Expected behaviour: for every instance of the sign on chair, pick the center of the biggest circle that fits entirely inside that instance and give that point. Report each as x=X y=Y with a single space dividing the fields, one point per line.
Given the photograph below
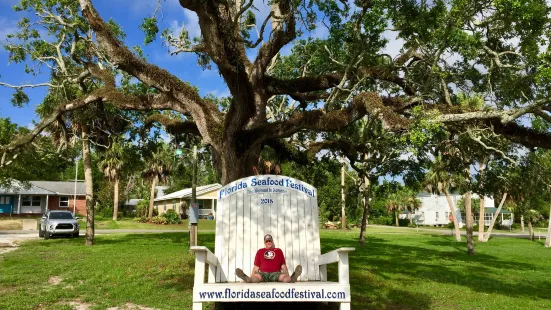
x=287 y=209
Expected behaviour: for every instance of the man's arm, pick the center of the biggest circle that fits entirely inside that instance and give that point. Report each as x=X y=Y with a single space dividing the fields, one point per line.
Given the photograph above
x=255 y=270
x=284 y=269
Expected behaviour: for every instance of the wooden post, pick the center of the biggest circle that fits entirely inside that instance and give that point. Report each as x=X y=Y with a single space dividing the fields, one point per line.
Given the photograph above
x=193 y=227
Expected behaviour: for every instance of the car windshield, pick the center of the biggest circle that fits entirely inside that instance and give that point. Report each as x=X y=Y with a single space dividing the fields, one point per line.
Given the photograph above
x=61 y=215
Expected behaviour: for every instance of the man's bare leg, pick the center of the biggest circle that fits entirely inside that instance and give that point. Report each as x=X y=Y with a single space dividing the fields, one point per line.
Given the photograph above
x=255 y=278
x=284 y=278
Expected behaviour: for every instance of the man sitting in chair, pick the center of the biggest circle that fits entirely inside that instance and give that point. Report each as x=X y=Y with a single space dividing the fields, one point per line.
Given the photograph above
x=269 y=266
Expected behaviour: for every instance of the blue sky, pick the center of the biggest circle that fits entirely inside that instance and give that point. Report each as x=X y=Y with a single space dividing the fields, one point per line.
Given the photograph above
x=128 y=13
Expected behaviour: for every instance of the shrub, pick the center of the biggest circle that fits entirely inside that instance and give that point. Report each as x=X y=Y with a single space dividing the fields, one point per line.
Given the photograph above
x=142 y=219
x=172 y=217
x=159 y=220
x=142 y=207
x=382 y=220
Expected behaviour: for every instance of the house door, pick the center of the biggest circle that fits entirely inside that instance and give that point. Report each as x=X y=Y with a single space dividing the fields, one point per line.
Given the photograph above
x=6 y=204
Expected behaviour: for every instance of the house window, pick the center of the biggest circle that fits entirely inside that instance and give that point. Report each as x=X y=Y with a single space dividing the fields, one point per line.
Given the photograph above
x=446 y=215
x=30 y=201
x=437 y=216
x=64 y=202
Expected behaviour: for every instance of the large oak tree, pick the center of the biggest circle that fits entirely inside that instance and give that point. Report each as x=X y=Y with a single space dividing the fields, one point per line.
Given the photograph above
x=496 y=49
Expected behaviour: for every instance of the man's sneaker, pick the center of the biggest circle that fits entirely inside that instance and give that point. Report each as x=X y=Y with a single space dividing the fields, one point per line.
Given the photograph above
x=296 y=274
x=241 y=275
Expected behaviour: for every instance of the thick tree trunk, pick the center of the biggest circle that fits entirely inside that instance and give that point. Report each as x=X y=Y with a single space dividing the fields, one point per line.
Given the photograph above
x=89 y=184
x=481 y=220
x=365 y=200
x=469 y=216
x=410 y=214
x=489 y=233
x=232 y=166
x=530 y=229
x=343 y=197
x=152 y=197
x=116 y=201
x=522 y=223
x=482 y=166
x=396 y=218
x=454 y=216
x=548 y=238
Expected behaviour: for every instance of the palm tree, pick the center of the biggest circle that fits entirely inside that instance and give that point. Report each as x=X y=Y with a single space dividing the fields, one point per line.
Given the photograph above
x=440 y=179
x=394 y=204
x=159 y=166
x=111 y=166
x=411 y=204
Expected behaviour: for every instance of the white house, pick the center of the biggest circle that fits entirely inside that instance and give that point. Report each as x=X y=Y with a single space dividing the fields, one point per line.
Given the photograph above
x=179 y=201
x=435 y=210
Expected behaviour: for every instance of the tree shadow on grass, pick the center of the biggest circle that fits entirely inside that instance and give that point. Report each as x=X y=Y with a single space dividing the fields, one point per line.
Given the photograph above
x=439 y=259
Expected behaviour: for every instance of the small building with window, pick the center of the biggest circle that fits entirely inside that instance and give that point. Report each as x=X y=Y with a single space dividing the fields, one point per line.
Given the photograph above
x=207 y=197
x=435 y=211
x=36 y=197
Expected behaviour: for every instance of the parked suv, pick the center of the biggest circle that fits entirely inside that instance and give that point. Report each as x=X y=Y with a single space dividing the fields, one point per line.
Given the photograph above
x=58 y=223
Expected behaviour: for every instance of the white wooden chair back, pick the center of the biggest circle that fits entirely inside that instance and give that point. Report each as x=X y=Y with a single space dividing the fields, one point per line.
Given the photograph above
x=284 y=207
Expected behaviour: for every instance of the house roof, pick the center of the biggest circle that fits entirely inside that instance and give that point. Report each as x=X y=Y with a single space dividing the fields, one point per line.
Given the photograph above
x=132 y=202
x=186 y=193
x=25 y=189
x=62 y=188
x=44 y=188
x=493 y=210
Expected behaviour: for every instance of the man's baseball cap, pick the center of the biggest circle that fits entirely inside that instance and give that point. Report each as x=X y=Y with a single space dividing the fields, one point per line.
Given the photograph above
x=268 y=237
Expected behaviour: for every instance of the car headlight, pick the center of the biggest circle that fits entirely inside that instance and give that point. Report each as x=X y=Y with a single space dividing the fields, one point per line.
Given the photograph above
x=51 y=227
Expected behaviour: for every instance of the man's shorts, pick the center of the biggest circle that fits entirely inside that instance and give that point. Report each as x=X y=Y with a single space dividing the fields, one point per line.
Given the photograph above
x=270 y=276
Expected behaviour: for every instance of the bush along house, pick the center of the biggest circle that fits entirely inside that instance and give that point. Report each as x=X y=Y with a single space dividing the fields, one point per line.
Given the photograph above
x=36 y=197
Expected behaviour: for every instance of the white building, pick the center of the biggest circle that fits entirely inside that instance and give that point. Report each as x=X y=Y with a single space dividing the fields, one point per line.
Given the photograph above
x=179 y=201
x=435 y=210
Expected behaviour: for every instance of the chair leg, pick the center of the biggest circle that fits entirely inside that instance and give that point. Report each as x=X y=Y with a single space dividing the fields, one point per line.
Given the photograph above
x=345 y=306
x=199 y=306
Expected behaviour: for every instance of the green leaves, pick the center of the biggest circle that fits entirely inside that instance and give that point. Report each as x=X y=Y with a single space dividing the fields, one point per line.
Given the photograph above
x=150 y=28
x=19 y=98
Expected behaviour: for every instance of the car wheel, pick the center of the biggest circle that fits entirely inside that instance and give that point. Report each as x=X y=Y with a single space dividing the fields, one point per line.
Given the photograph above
x=75 y=235
x=47 y=235
x=40 y=233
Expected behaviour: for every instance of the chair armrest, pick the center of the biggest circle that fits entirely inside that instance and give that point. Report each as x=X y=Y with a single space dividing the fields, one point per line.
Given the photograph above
x=333 y=256
x=210 y=258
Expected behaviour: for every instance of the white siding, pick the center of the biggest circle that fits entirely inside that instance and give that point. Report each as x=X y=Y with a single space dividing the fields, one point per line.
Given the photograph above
x=244 y=220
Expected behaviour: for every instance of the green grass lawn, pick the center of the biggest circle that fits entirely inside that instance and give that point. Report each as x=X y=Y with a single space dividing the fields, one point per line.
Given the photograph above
x=130 y=223
x=393 y=271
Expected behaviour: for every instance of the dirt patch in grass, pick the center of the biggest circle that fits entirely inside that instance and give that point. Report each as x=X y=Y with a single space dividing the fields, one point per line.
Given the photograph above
x=78 y=305
x=130 y=306
x=6 y=247
x=54 y=280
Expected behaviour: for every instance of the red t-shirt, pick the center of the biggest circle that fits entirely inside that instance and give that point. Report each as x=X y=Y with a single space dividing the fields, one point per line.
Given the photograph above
x=269 y=260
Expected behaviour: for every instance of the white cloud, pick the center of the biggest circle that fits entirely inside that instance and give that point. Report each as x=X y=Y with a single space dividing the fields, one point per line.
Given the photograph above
x=394 y=44
x=225 y=92
x=191 y=23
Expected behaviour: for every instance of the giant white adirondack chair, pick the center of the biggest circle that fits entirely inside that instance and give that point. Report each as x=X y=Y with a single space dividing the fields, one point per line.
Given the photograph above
x=287 y=209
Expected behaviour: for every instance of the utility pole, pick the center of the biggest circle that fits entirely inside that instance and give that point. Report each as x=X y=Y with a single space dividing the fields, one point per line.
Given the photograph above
x=193 y=218
x=75 y=197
